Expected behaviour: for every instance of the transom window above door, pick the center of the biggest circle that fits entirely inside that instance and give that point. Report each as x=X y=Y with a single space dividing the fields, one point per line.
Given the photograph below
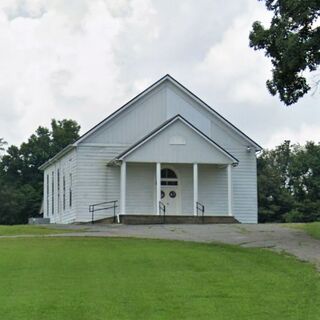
x=168 y=177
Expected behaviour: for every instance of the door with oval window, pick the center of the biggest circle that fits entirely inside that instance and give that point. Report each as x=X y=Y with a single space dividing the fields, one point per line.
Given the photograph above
x=170 y=195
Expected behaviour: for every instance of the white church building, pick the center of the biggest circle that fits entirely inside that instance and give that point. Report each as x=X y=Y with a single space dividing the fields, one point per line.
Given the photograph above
x=164 y=154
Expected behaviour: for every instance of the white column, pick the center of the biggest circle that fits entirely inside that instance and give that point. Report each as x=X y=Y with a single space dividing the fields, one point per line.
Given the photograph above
x=229 y=170
x=158 y=185
x=123 y=173
x=195 y=188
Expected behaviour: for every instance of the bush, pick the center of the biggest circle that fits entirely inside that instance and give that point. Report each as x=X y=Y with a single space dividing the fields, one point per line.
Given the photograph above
x=294 y=216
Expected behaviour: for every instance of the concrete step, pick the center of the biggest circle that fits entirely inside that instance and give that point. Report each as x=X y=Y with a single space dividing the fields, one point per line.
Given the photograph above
x=170 y=219
x=108 y=220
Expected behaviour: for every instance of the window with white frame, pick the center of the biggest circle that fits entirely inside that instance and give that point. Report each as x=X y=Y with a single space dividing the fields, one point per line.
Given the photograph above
x=52 y=193
x=48 y=203
x=64 y=192
x=58 y=190
x=70 y=190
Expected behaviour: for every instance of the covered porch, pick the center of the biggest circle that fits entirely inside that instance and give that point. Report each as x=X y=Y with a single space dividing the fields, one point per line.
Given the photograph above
x=176 y=170
x=175 y=190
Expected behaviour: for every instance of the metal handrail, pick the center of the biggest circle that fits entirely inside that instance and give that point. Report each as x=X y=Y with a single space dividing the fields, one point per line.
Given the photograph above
x=113 y=205
x=200 y=207
x=162 y=209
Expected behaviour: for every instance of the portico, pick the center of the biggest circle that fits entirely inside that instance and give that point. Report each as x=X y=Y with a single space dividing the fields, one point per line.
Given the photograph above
x=183 y=168
x=177 y=188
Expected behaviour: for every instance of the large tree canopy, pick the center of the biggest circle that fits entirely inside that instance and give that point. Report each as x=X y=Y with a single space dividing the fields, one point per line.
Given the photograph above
x=292 y=42
x=21 y=181
x=289 y=183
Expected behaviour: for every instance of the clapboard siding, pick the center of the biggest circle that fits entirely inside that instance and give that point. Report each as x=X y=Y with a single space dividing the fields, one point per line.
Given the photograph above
x=141 y=196
x=163 y=103
x=194 y=148
x=244 y=183
x=244 y=176
x=178 y=102
x=185 y=176
x=97 y=182
x=135 y=122
x=213 y=189
x=66 y=166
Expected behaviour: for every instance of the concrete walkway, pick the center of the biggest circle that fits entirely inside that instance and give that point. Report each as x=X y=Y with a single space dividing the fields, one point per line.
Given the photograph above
x=271 y=236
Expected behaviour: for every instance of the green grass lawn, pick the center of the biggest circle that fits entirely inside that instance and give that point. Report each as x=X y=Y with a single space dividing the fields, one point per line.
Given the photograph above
x=313 y=228
x=29 y=230
x=103 y=278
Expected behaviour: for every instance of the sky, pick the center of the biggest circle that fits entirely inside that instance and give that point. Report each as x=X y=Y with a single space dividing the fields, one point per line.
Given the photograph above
x=83 y=59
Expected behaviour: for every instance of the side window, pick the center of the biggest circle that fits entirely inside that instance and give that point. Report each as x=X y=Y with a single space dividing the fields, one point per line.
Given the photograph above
x=58 y=191
x=52 y=192
x=64 y=192
x=70 y=190
x=48 y=203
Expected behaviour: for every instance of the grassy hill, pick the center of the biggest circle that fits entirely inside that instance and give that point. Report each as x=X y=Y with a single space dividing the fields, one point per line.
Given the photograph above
x=103 y=278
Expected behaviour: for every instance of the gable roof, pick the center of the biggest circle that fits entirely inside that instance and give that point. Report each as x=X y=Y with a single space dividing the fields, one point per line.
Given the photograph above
x=167 y=77
x=162 y=127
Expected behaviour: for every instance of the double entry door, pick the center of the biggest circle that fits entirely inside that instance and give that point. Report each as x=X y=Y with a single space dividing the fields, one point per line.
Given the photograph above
x=170 y=192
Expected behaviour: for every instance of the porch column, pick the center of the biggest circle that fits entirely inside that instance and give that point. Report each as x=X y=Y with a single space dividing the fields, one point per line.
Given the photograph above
x=229 y=170
x=195 y=188
x=158 y=185
x=123 y=173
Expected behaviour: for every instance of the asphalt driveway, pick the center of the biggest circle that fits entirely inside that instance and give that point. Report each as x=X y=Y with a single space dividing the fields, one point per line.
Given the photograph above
x=271 y=236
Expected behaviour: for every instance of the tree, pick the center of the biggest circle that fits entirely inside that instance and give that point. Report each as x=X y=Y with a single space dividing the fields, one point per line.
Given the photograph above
x=289 y=183
x=63 y=133
x=274 y=196
x=21 y=164
x=293 y=43
x=304 y=172
x=18 y=203
x=21 y=182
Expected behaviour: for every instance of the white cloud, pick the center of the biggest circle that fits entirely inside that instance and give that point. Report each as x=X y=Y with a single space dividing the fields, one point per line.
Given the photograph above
x=300 y=135
x=82 y=59
x=55 y=66
x=235 y=68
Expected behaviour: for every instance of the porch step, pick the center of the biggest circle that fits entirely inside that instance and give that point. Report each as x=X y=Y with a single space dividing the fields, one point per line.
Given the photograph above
x=169 y=219
x=108 y=220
